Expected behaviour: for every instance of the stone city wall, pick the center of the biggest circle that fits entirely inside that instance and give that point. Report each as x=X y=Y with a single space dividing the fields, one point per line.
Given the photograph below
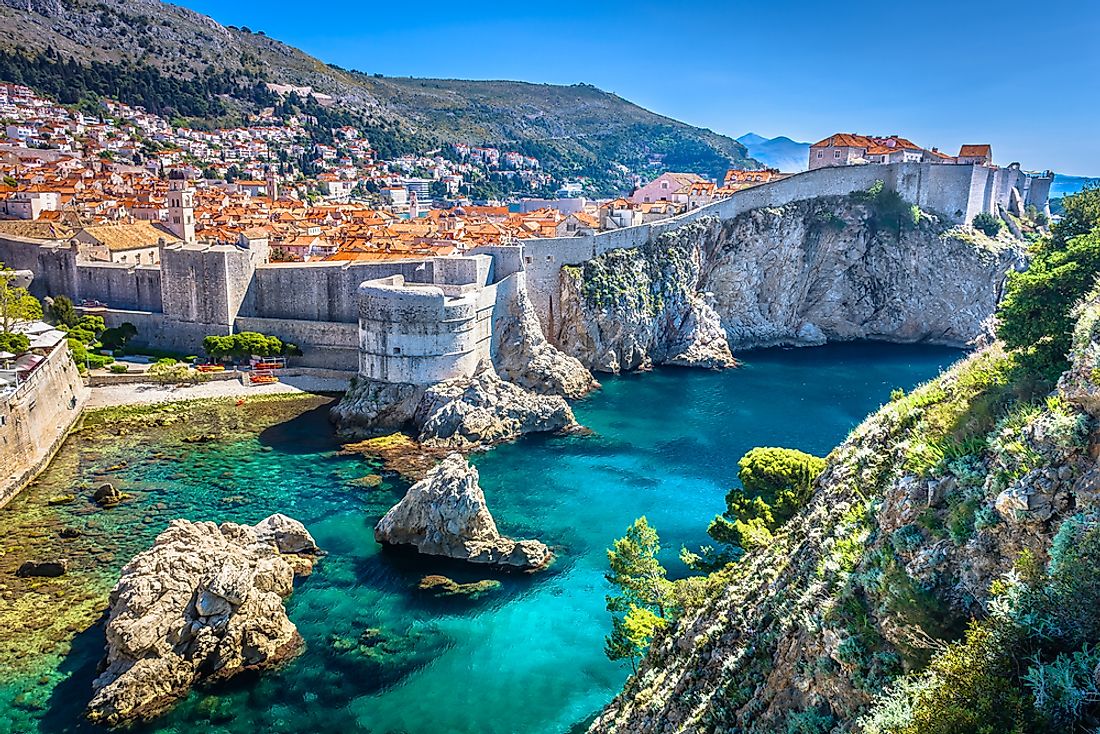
x=210 y=289
x=957 y=192
x=36 y=418
x=131 y=287
x=328 y=344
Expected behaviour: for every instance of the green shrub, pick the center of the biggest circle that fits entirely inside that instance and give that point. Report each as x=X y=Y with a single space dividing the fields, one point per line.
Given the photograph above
x=987 y=223
x=889 y=211
x=246 y=344
x=907 y=538
x=14 y=343
x=119 y=369
x=775 y=484
x=1036 y=313
x=117 y=337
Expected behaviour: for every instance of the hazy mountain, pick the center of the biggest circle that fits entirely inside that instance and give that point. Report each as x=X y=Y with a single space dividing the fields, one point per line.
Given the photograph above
x=185 y=65
x=783 y=153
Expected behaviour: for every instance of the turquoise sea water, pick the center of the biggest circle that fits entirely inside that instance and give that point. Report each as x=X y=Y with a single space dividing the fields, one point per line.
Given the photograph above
x=526 y=657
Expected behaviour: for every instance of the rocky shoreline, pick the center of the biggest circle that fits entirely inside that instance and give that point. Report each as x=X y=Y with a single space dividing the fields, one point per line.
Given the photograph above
x=797 y=275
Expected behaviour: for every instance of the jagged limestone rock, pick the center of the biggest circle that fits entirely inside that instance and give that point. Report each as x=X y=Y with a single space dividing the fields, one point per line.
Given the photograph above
x=463 y=413
x=485 y=410
x=373 y=407
x=522 y=355
x=203 y=604
x=800 y=274
x=445 y=515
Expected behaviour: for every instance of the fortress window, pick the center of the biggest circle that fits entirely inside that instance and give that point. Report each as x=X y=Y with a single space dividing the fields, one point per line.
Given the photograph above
x=528 y=259
x=397 y=350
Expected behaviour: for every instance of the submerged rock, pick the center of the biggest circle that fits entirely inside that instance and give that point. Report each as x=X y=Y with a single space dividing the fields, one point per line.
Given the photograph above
x=107 y=495
x=44 y=569
x=203 y=604
x=445 y=515
x=443 y=586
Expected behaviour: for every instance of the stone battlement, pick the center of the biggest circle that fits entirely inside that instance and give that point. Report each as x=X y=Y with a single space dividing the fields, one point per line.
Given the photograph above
x=436 y=311
x=422 y=333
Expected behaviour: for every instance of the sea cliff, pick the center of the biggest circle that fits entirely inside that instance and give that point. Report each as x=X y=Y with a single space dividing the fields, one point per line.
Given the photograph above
x=968 y=502
x=833 y=268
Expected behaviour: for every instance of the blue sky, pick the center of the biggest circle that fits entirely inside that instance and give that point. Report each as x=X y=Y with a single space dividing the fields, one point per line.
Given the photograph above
x=941 y=73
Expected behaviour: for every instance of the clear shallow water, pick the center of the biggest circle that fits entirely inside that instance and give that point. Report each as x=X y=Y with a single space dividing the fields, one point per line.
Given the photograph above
x=524 y=658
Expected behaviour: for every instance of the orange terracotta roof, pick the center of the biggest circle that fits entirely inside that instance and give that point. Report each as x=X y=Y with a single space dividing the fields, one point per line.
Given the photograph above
x=975 y=151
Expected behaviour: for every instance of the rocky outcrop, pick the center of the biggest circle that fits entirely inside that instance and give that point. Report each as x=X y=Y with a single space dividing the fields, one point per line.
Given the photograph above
x=485 y=410
x=522 y=355
x=372 y=407
x=463 y=413
x=801 y=274
x=445 y=515
x=894 y=555
x=107 y=495
x=203 y=604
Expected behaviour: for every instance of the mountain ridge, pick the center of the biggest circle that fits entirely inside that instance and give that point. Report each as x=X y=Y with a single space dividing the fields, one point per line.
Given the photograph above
x=780 y=152
x=578 y=130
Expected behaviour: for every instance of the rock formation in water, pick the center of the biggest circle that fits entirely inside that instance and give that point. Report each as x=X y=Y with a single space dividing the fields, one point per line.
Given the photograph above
x=445 y=515
x=896 y=552
x=203 y=604
x=463 y=413
x=801 y=274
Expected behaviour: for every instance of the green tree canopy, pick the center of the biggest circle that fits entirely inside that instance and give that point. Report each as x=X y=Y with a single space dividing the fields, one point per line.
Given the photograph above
x=62 y=311
x=1035 y=315
x=14 y=343
x=988 y=223
x=117 y=337
x=644 y=593
x=775 y=484
x=247 y=344
x=16 y=304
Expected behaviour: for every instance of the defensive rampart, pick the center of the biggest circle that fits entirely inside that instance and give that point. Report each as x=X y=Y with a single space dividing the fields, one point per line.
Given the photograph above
x=202 y=289
x=36 y=418
x=955 y=192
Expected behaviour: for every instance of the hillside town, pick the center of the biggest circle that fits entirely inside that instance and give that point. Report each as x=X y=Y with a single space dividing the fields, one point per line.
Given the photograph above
x=104 y=180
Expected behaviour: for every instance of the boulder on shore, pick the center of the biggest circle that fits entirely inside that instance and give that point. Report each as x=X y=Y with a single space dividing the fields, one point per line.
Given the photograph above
x=203 y=604
x=445 y=515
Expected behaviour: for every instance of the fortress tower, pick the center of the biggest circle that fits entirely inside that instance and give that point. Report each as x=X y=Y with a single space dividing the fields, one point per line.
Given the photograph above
x=181 y=209
x=272 y=182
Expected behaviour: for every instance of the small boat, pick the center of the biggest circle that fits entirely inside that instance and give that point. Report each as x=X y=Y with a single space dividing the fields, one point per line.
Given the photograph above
x=263 y=379
x=210 y=368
